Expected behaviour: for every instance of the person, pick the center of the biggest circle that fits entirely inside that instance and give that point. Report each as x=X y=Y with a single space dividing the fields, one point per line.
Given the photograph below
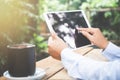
x=83 y=68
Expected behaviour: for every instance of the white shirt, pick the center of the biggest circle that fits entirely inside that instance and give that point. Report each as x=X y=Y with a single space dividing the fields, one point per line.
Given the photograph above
x=83 y=68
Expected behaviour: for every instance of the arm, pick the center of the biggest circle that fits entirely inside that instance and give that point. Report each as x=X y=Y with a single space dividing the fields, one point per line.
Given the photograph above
x=95 y=36
x=111 y=51
x=80 y=67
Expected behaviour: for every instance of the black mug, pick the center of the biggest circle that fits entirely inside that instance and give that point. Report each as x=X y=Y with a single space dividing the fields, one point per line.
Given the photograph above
x=21 y=60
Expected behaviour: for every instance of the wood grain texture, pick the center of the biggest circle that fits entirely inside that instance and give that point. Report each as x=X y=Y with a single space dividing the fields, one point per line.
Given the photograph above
x=54 y=68
x=50 y=65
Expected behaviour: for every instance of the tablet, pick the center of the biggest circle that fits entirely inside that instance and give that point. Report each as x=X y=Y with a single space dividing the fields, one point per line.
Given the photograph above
x=64 y=23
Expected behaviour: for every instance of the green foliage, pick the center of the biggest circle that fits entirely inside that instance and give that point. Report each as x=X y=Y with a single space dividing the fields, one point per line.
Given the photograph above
x=104 y=15
x=108 y=14
x=60 y=5
x=110 y=34
x=13 y=20
x=14 y=28
x=40 y=42
x=102 y=3
x=105 y=19
x=116 y=19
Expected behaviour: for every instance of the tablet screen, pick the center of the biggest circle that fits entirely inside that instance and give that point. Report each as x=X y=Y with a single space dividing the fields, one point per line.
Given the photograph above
x=64 y=23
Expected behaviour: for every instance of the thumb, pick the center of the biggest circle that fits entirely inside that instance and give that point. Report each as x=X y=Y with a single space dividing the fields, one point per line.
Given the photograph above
x=53 y=35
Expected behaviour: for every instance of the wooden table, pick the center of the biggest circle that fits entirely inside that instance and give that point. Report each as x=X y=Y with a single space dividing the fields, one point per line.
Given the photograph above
x=54 y=68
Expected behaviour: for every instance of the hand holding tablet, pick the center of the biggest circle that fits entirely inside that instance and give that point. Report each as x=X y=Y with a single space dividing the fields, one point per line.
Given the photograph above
x=64 y=24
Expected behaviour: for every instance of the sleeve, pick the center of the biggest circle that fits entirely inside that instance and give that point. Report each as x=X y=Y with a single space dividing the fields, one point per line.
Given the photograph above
x=112 y=52
x=83 y=68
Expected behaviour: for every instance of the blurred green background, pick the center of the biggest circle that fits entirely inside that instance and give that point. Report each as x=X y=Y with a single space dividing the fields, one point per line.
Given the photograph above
x=22 y=21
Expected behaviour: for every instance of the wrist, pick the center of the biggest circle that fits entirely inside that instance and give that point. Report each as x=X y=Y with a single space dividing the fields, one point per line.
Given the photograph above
x=105 y=44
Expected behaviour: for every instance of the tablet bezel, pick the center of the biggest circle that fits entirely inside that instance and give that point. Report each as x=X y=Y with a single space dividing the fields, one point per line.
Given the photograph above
x=49 y=23
x=50 y=26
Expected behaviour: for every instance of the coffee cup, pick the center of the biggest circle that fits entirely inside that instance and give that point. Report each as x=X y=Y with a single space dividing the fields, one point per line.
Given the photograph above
x=21 y=60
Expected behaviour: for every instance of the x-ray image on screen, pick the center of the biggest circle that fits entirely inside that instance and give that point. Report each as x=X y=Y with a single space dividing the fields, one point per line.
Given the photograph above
x=65 y=24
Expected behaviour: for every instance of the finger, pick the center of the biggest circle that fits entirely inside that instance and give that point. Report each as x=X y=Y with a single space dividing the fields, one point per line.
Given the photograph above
x=49 y=40
x=87 y=35
x=89 y=30
x=53 y=35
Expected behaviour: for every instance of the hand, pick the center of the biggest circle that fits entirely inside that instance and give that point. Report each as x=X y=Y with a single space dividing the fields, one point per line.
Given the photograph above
x=55 y=46
x=95 y=36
